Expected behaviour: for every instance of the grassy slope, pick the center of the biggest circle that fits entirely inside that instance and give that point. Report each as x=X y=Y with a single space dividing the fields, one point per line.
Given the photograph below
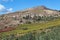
x=31 y=27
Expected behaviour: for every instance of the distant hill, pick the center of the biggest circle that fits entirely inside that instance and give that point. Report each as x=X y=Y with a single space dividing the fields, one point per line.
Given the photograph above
x=29 y=15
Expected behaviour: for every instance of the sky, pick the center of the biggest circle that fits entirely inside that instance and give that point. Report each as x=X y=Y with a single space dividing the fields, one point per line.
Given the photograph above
x=7 y=6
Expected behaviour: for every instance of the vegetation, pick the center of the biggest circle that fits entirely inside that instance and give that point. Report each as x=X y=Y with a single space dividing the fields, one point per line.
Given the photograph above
x=29 y=31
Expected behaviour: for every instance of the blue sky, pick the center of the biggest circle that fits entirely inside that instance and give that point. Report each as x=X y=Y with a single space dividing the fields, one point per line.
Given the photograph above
x=15 y=5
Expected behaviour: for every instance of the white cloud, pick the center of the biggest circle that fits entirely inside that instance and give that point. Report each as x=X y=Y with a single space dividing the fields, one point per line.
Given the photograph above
x=2 y=7
x=9 y=10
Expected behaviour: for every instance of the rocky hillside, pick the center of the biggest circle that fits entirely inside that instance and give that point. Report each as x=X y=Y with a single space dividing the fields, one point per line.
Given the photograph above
x=37 y=23
x=30 y=15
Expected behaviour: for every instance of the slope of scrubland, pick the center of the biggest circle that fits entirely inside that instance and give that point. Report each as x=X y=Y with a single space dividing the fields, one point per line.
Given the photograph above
x=36 y=31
